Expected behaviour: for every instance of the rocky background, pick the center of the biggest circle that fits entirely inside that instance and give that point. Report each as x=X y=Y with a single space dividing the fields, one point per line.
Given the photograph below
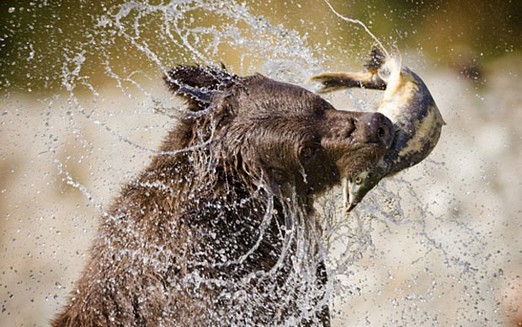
x=437 y=245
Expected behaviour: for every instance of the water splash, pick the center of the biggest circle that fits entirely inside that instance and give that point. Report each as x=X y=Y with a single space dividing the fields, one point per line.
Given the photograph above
x=358 y=22
x=170 y=33
x=282 y=53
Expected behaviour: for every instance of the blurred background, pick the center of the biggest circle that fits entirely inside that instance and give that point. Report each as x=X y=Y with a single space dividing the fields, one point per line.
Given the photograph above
x=83 y=106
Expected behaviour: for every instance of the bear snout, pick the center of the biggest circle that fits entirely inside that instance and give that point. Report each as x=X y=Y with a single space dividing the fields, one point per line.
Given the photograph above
x=375 y=128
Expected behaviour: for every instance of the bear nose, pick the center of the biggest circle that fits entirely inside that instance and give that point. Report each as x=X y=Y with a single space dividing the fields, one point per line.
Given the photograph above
x=377 y=129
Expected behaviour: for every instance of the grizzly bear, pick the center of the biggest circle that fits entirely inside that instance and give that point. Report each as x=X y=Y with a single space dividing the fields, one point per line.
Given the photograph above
x=220 y=229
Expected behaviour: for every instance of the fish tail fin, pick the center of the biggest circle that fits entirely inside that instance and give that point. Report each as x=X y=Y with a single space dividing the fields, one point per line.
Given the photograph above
x=375 y=59
x=392 y=66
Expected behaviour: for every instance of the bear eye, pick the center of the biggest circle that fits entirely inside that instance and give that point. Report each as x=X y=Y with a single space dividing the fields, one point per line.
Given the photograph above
x=306 y=152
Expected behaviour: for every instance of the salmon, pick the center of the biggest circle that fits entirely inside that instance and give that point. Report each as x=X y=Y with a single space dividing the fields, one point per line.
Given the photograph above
x=407 y=102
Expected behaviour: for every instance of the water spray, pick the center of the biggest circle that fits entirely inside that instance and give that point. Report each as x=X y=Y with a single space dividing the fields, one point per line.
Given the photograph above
x=358 y=22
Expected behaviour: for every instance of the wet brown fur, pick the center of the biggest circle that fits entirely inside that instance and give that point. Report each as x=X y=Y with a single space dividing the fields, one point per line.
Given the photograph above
x=209 y=233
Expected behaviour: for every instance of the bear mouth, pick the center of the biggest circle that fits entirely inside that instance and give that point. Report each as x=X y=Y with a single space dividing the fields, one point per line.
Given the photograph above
x=345 y=184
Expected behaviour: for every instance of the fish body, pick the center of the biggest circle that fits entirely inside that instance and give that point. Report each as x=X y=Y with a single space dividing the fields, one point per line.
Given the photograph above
x=407 y=102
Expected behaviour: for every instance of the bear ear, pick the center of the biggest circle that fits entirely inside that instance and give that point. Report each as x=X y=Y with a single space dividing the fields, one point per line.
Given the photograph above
x=197 y=84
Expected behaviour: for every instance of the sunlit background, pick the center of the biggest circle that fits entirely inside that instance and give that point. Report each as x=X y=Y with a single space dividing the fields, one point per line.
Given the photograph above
x=82 y=104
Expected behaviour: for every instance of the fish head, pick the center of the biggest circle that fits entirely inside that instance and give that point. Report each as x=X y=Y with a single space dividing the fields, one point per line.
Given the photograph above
x=356 y=187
